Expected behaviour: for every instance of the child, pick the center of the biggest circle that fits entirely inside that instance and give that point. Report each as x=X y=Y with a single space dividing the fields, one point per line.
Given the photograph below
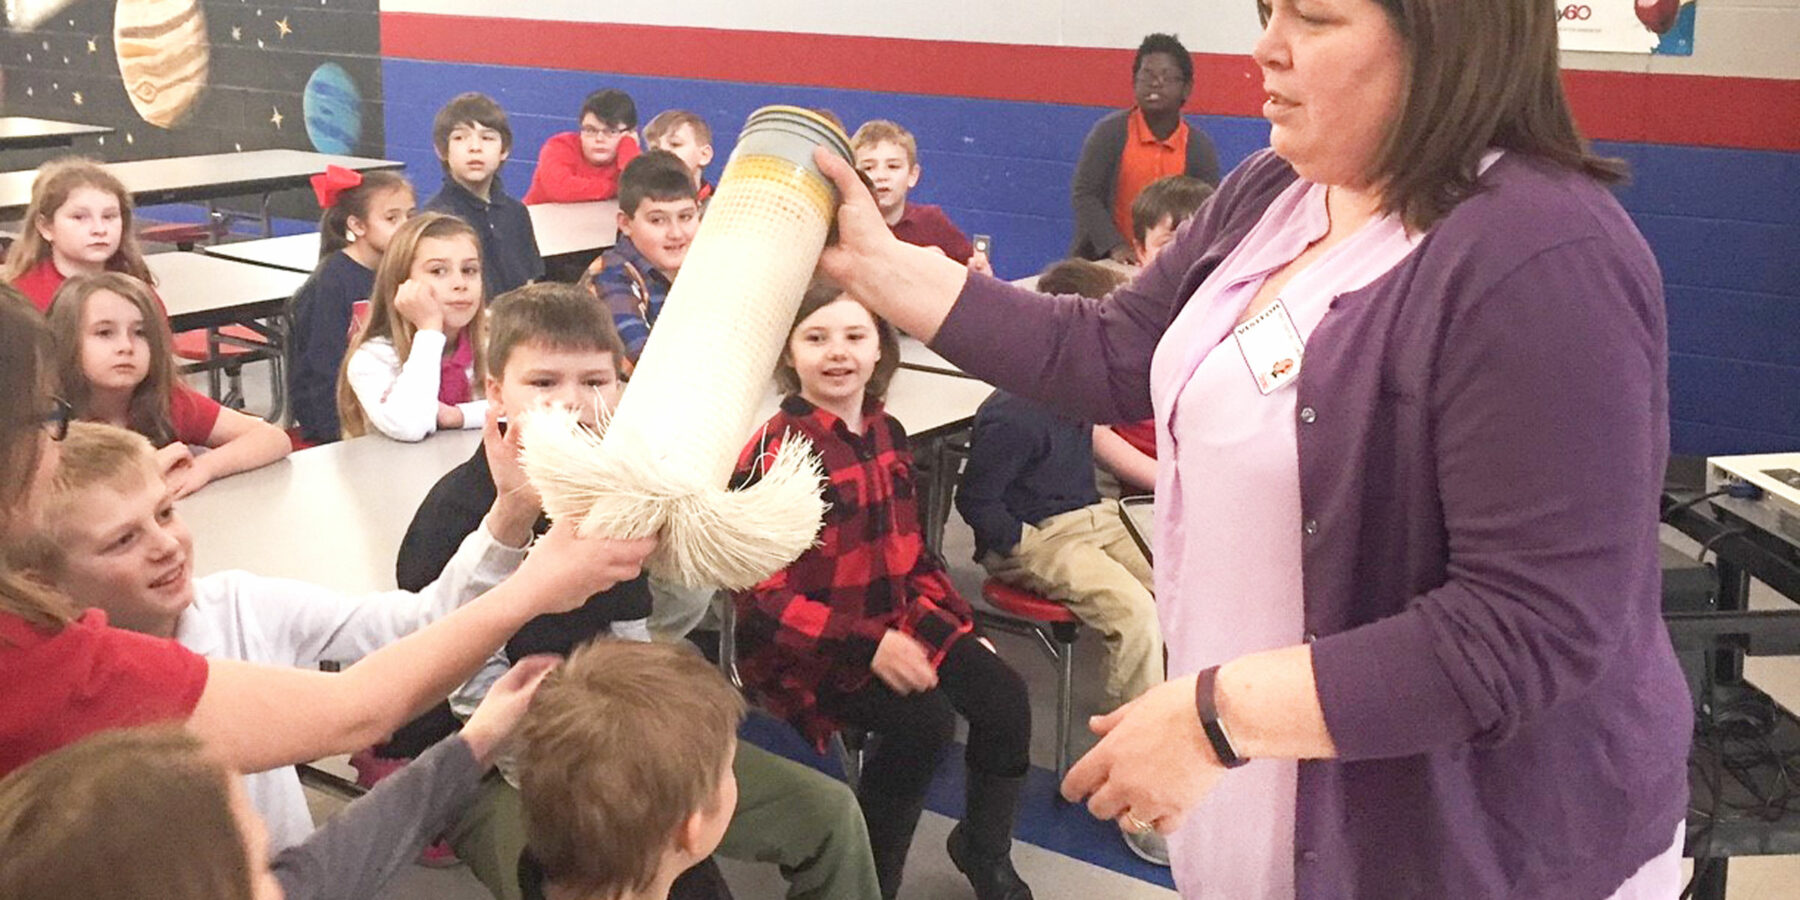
x=577 y=166
x=1028 y=493
x=109 y=486
x=1126 y=452
x=411 y=369
x=889 y=155
x=98 y=818
x=687 y=136
x=550 y=343
x=658 y=216
x=113 y=351
x=865 y=629
x=473 y=138
x=625 y=761
x=362 y=212
x=78 y=223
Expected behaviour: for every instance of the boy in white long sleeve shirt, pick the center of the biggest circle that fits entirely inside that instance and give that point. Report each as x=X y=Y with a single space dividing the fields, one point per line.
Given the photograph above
x=116 y=543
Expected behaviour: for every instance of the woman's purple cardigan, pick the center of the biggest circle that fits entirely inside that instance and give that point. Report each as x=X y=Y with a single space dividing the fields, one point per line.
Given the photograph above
x=1482 y=436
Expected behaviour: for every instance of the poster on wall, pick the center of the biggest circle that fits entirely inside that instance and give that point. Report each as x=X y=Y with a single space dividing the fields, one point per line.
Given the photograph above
x=1660 y=27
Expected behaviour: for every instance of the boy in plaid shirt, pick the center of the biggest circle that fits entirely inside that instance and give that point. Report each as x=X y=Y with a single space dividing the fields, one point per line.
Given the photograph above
x=865 y=629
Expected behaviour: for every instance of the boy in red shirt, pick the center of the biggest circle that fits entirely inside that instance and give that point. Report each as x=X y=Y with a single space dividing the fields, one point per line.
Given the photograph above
x=889 y=155
x=575 y=166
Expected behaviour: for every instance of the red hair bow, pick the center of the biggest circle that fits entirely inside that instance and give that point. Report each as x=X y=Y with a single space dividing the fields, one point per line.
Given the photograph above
x=335 y=180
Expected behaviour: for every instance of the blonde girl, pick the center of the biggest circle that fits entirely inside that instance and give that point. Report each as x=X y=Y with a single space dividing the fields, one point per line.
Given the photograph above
x=411 y=369
x=112 y=353
x=78 y=223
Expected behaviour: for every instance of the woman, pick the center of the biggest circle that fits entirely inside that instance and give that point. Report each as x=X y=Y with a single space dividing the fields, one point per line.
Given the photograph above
x=1408 y=371
x=68 y=674
x=1132 y=147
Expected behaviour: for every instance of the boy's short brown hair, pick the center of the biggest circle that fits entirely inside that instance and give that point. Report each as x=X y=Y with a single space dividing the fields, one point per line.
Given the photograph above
x=655 y=175
x=669 y=121
x=465 y=109
x=823 y=292
x=621 y=745
x=1172 y=197
x=1079 y=276
x=549 y=314
x=876 y=131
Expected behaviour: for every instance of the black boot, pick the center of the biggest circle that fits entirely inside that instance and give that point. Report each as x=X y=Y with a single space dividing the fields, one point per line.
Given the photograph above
x=891 y=821
x=981 y=844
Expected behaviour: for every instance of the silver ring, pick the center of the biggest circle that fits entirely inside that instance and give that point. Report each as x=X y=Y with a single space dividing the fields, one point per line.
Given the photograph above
x=1139 y=826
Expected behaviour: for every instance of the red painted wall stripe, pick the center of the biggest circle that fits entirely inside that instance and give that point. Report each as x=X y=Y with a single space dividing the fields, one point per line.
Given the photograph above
x=1752 y=113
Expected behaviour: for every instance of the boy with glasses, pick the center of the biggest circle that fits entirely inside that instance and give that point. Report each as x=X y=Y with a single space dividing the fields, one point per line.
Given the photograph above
x=575 y=166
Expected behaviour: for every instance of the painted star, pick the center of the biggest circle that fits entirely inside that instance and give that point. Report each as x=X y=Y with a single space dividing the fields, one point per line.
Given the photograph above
x=237 y=32
x=93 y=47
x=260 y=45
x=30 y=91
x=77 y=98
x=129 y=139
x=282 y=26
x=277 y=117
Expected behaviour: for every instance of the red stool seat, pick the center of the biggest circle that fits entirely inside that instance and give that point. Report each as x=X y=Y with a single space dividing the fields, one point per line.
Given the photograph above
x=1025 y=604
x=192 y=344
x=181 y=234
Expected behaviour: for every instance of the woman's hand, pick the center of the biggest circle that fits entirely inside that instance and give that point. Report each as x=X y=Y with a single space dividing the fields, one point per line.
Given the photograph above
x=1123 y=254
x=978 y=262
x=417 y=304
x=493 y=722
x=1153 y=761
x=516 y=502
x=563 y=570
x=861 y=231
x=902 y=664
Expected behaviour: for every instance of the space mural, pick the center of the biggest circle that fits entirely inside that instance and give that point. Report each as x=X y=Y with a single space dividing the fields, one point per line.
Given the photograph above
x=180 y=77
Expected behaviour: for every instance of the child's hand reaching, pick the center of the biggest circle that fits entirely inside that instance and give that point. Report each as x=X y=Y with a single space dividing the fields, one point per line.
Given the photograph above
x=417 y=304
x=500 y=711
x=978 y=262
x=516 y=502
x=902 y=664
x=564 y=570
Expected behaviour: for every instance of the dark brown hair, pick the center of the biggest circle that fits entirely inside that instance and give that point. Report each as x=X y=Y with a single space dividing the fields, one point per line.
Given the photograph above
x=822 y=293
x=26 y=384
x=472 y=108
x=1079 y=276
x=1172 y=197
x=148 y=412
x=549 y=314
x=1481 y=74
x=334 y=222
x=385 y=320
x=621 y=745
x=129 y=813
x=656 y=175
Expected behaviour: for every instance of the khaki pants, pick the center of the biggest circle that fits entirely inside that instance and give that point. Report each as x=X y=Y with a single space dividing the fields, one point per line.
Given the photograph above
x=1086 y=560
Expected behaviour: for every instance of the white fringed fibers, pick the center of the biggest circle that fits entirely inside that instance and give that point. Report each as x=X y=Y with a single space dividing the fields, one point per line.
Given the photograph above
x=666 y=457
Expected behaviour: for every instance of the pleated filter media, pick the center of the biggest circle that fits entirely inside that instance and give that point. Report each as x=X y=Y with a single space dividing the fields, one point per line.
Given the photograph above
x=663 y=463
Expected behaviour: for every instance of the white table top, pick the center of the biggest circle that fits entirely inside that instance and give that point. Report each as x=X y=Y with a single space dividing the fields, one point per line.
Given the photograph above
x=332 y=515
x=294 y=252
x=564 y=228
x=19 y=132
x=335 y=514
x=201 y=290
x=214 y=175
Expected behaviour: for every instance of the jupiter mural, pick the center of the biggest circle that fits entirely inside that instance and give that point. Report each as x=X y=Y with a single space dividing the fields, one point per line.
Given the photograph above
x=180 y=77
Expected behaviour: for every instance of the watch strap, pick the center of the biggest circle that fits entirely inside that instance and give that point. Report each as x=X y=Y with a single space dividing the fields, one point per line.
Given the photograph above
x=1205 y=703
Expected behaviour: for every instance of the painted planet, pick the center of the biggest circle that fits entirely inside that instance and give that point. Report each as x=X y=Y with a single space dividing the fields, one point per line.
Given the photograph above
x=163 y=57
x=333 y=110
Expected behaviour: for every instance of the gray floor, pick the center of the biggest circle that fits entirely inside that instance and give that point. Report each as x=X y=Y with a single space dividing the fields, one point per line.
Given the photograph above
x=1053 y=876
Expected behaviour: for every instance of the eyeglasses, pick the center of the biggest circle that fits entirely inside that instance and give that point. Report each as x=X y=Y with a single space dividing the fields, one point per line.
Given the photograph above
x=589 y=131
x=56 y=421
x=1150 y=77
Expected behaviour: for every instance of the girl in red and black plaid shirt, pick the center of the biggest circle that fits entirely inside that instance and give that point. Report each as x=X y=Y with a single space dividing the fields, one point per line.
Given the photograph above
x=865 y=629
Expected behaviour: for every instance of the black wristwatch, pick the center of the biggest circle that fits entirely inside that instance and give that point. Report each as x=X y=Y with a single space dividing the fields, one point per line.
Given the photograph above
x=1209 y=719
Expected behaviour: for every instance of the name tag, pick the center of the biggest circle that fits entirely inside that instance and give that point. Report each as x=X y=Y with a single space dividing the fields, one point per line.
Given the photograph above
x=1271 y=347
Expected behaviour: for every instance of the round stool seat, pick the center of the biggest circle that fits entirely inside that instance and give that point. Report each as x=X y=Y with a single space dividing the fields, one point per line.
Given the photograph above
x=192 y=344
x=1024 y=604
